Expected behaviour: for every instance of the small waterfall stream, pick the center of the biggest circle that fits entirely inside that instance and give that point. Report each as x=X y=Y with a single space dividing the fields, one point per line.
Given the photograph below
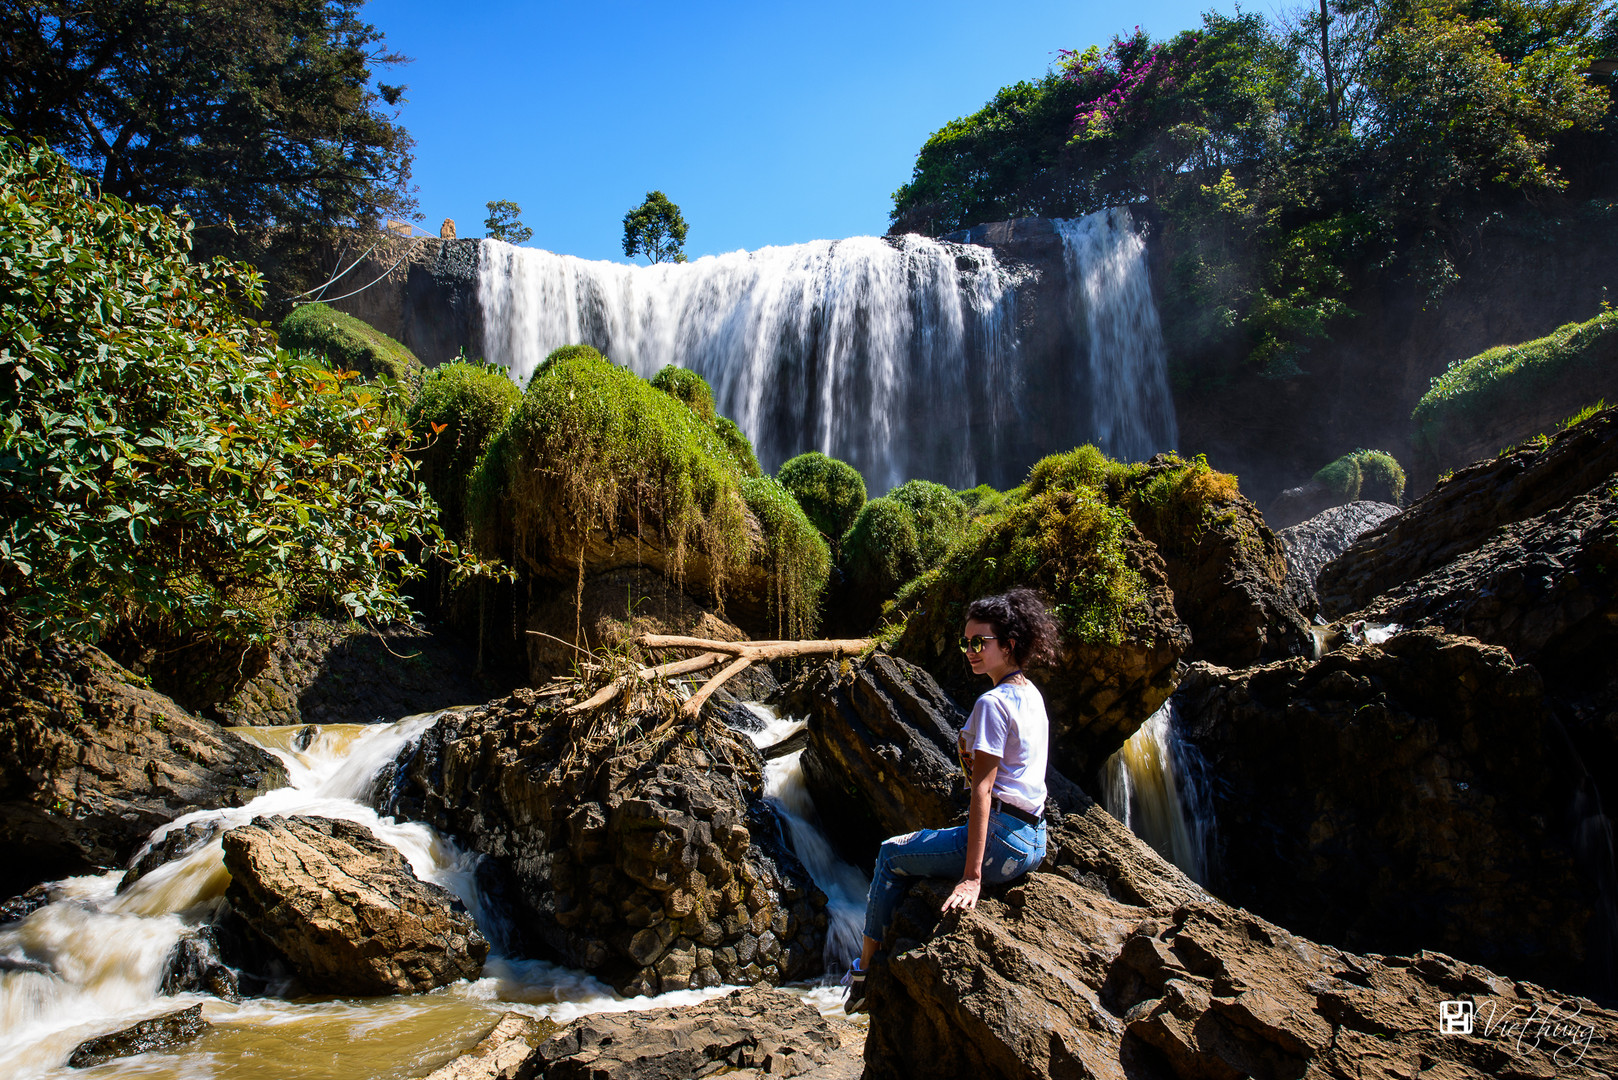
x=901 y=356
x=92 y=960
x=1157 y=786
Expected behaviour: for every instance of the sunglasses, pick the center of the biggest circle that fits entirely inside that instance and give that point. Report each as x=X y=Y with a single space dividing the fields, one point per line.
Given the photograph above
x=974 y=643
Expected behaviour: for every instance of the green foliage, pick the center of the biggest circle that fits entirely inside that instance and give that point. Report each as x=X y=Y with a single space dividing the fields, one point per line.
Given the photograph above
x=687 y=386
x=831 y=492
x=162 y=468
x=899 y=535
x=655 y=229
x=346 y=343
x=1478 y=386
x=505 y=222
x=981 y=501
x=795 y=554
x=240 y=113
x=739 y=445
x=458 y=410
x=1348 y=476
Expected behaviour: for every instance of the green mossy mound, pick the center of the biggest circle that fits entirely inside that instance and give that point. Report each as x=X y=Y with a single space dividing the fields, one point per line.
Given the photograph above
x=831 y=492
x=894 y=538
x=597 y=468
x=1496 y=381
x=459 y=409
x=1365 y=474
x=984 y=500
x=685 y=385
x=347 y=343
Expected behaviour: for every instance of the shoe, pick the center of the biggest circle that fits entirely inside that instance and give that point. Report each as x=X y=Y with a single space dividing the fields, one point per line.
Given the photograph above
x=855 y=981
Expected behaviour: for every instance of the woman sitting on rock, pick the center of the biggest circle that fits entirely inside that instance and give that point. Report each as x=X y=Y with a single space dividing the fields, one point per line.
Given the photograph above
x=1003 y=748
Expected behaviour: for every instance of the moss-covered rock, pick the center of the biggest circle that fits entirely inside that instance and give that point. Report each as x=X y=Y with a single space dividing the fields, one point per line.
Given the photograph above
x=347 y=343
x=1364 y=474
x=794 y=553
x=831 y=492
x=685 y=385
x=893 y=539
x=460 y=407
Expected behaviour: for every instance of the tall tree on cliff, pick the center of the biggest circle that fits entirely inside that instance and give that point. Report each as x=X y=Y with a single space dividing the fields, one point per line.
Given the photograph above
x=257 y=118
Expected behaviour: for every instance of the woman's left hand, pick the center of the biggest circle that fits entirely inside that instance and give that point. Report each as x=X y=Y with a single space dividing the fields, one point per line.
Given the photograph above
x=964 y=895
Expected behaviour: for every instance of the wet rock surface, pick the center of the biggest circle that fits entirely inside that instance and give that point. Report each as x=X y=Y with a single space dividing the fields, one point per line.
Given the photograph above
x=505 y=1053
x=158 y=1033
x=194 y=966
x=345 y=910
x=91 y=761
x=1051 y=978
x=656 y=866
x=175 y=844
x=1310 y=545
x=323 y=672
x=1415 y=794
x=1461 y=514
x=748 y=1033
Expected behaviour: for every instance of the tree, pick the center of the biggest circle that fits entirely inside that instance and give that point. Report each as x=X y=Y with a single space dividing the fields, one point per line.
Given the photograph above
x=236 y=112
x=655 y=229
x=505 y=222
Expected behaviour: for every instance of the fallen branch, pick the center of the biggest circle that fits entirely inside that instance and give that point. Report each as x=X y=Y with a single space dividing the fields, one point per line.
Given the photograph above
x=661 y=671
x=747 y=653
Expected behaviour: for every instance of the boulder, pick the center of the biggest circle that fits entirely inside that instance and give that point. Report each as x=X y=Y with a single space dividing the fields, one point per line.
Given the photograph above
x=159 y=1033
x=750 y=1033
x=503 y=1054
x=656 y=865
x=91 y=761
x=194 y=966
x=1050 y=978
x=173 y=844
x=1461 y=513
x=1414 y=794
x=345 y=910
x=1310 y=545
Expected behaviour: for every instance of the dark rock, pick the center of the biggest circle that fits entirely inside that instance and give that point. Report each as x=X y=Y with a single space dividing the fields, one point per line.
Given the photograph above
x=1051 y=978
x=159 y=1033
x=175 y=844
x=628 y=861
x=1403 y=796
x=321 y=672
x=1311 y=544
x=91 y=762
x=346 y=910
x=24 y=904
x=194 y=966
x=1299 y=504
x=503 y=1054
x=33 y=967
x=747 y=1034
x=1460 y=514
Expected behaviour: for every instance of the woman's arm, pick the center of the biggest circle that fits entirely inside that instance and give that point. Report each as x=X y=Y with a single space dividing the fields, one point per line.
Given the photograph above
x=985 y=767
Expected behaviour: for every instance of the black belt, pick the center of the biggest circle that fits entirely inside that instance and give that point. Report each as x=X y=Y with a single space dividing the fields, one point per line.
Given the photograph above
x=1015 y=811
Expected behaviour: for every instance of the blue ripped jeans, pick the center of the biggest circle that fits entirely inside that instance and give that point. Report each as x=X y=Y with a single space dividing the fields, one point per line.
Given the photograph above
x=1013 y=848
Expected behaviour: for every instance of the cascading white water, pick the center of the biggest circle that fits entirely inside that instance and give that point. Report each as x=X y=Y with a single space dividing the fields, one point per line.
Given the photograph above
x=845 y=887
x=1155 y=786
x=900 y=356
x=1131 y=408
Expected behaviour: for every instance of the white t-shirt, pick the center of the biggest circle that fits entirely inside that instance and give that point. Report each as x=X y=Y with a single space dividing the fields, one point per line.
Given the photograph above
x=1010 y=723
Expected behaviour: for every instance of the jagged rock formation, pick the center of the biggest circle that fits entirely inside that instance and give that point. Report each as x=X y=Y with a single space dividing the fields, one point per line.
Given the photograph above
x=91 y=762
x=1395 y=797
x=655 y=867
x=503 y=1054
x=1460 y=514
x=345 y=910
x=158 y=1033
x=748 y=1034
x=1310 y=545
x=1052 y=978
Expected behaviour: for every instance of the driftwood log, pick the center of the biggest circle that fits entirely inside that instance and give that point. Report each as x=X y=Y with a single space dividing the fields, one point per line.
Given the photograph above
x=737 y=656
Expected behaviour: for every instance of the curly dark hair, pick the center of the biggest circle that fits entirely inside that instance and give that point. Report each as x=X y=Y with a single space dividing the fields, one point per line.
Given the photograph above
x=1019 y=617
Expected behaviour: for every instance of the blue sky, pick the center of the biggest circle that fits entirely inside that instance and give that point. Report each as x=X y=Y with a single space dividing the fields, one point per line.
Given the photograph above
x=767 y=123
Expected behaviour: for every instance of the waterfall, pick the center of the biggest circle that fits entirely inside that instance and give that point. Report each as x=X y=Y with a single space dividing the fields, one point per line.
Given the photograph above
x=1131 y=409
x=901 y=356
x=1157 y=786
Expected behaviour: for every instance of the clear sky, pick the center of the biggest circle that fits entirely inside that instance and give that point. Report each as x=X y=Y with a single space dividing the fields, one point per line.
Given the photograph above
x=767 y=123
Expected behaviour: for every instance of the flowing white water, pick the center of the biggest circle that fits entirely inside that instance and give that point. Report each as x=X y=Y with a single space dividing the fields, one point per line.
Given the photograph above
x=1156 y=786
x=900 y=356
x=845 y=887
x=1131 y=408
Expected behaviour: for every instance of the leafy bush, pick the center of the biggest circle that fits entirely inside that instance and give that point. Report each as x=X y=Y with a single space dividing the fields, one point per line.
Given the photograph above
x=1484 y=384
x=1348 y=476
x=686 y=385
x=458 y=410
x=831 y=492
x=795 y=554
x=347 y=343
x=161 y=466
x=982 y=500
x=739 y=445
x=899 y=535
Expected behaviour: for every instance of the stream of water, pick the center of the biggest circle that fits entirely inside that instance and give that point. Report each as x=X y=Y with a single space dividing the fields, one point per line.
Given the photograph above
x=92 y=960
x=1157 y=786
